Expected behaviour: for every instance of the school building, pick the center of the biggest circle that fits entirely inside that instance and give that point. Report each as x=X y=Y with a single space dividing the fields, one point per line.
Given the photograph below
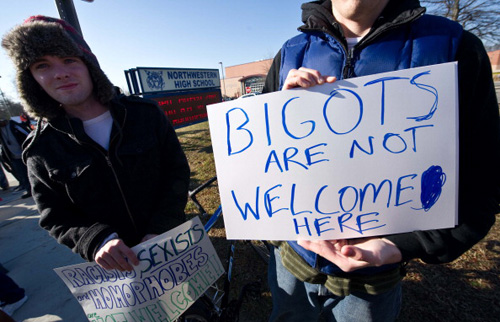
x=245 y=78
x=495 y=64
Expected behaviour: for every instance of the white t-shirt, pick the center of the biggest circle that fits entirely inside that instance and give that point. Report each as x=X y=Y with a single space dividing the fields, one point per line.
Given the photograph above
x=352 y=41
x=99 y=128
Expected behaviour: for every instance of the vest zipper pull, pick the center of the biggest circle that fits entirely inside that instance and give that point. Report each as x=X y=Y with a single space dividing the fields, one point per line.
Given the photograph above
x=348 y=70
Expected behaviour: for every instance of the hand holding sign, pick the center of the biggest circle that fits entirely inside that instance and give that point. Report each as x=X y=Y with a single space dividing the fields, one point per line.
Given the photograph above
x=306 y=77
x=350 y=255
x=174 y=269
x=116 y=255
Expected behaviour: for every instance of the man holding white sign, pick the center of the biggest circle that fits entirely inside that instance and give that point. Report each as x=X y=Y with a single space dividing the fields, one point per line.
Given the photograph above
x=359 y=279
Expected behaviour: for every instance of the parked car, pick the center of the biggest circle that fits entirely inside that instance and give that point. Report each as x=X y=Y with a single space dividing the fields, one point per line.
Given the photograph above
x=249 y=95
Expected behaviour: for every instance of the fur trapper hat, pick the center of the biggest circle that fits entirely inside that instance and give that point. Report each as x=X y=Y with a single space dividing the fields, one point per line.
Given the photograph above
x=39 y=36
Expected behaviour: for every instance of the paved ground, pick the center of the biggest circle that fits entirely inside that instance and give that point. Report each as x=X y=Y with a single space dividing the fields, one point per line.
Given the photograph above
x=30 y=255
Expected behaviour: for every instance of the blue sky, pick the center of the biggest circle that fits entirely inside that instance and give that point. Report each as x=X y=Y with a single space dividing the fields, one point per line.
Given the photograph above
x=124 y=34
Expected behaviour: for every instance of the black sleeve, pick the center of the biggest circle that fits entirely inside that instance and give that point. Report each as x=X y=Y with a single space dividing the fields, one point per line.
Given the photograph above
x=272 y=83
x=479 y=160
x=169 y=209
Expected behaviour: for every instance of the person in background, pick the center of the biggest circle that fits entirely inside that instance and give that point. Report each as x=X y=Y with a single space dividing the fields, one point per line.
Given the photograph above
x=107 y=170
x=12 y=296
x=12 y=136
x=4 y=183
x=360 y=279
x=26 y=121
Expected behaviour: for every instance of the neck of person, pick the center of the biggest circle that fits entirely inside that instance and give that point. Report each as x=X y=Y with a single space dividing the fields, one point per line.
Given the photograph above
x=87 y=110
x=352 y=29
x=357 y=22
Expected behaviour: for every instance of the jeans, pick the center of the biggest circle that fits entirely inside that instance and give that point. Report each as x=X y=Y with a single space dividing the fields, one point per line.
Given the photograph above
x=4 y=183
x=21 y=172
x=294 y=300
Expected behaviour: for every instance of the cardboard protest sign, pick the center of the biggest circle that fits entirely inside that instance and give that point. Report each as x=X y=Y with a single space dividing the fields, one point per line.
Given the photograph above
x=360 y=157
x=175 y=269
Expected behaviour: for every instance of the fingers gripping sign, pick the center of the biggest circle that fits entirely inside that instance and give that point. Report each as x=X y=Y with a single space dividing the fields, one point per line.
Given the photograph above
x=306 y=77
x=116 y=255
x=350 y=255
x=148 y=237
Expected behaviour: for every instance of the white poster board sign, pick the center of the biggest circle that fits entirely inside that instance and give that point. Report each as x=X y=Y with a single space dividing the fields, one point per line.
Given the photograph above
x=175 y=269
x=360 y=157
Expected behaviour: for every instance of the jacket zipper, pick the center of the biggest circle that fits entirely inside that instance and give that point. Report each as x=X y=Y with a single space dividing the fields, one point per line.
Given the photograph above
x=110 y=165
x=122 y=194
x=348 y=70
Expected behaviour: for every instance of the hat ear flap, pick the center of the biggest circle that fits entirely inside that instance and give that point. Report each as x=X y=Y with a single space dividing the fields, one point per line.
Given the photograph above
x=103 y=88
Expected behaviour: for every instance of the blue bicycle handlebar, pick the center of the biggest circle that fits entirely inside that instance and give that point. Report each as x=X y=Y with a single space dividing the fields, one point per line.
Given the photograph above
x=213 y=219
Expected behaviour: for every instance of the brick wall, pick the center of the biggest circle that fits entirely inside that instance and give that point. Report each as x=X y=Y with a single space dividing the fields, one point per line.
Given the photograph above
x=235 y=74
x=495 y=63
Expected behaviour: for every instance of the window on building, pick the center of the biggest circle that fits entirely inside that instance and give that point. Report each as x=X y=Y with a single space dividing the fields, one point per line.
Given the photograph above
x=254 y=83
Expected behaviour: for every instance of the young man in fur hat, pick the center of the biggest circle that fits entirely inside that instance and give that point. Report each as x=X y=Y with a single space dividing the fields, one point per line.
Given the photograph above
x=107 y=171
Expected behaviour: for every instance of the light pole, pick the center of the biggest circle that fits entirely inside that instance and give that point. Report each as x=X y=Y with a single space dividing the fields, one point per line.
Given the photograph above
x=67 y=13
x=223 y=78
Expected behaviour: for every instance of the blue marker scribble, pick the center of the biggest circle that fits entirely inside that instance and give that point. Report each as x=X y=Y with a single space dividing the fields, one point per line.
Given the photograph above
x=427 y=88
x=433 y=179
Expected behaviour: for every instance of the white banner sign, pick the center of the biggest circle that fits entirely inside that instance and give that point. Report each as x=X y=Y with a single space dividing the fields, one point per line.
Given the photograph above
x=175 y=269
x=360 y=157
x=176 y=79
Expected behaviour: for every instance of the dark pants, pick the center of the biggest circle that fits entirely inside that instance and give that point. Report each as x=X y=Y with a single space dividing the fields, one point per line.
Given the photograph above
x=10 y=292
x=21 y=173
x=4 y=183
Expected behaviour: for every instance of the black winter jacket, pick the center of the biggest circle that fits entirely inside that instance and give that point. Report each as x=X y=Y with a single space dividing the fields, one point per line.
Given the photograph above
x=479 y=134
x=84 y=193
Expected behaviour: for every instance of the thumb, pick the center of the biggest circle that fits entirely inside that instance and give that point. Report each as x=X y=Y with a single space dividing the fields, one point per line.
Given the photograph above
x=330 y=79
x=353 y=252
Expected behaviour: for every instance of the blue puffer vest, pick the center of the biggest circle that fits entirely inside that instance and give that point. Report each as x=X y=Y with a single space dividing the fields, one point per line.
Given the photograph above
x=428 y=40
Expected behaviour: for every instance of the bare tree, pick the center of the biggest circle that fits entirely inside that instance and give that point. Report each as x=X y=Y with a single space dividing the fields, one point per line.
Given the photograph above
x=481 y=17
